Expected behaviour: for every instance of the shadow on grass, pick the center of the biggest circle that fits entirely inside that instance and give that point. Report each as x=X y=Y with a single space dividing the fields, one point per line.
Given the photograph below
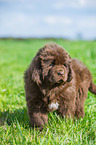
x=20 y=115
x=17 y=115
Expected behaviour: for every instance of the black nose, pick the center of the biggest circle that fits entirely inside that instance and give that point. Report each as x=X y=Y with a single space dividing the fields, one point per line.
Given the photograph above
x=60 y=73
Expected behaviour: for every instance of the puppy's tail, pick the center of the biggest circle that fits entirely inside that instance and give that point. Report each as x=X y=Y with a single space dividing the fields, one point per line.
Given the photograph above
x=92 y=88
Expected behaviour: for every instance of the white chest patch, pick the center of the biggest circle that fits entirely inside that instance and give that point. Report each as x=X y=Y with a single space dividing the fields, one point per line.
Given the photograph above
x=53 y=106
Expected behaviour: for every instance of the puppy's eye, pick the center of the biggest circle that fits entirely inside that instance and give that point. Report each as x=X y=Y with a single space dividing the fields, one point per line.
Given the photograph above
x=52 y=64
x=59 y=74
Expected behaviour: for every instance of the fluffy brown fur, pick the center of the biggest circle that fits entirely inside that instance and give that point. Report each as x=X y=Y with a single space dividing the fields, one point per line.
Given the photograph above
x=54 y=77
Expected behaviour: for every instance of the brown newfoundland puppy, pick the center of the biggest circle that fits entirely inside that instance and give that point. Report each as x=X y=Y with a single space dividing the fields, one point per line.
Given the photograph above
x=55 y=81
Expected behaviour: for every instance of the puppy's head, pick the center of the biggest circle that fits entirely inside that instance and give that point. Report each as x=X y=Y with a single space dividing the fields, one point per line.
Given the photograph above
x=52 y=65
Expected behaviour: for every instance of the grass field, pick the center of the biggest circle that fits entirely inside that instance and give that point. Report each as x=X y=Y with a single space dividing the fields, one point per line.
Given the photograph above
x=15 y=56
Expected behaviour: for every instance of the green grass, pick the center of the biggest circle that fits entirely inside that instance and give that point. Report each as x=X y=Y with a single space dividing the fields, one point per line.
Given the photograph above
x=15 y=56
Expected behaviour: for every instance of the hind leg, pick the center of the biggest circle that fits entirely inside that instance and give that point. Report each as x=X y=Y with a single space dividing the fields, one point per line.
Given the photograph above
x=79 y=112
x=80 y=100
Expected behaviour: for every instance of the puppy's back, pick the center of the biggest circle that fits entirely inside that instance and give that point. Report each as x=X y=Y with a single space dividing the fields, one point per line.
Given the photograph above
x=83 y=76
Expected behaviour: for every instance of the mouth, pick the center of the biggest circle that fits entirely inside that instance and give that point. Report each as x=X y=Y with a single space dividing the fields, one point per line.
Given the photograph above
x=58 y=83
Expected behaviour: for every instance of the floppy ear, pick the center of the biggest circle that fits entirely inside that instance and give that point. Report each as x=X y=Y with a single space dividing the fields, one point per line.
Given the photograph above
x=69 y=74
x=36 y=76
x=36 y=72
x=69 y=69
